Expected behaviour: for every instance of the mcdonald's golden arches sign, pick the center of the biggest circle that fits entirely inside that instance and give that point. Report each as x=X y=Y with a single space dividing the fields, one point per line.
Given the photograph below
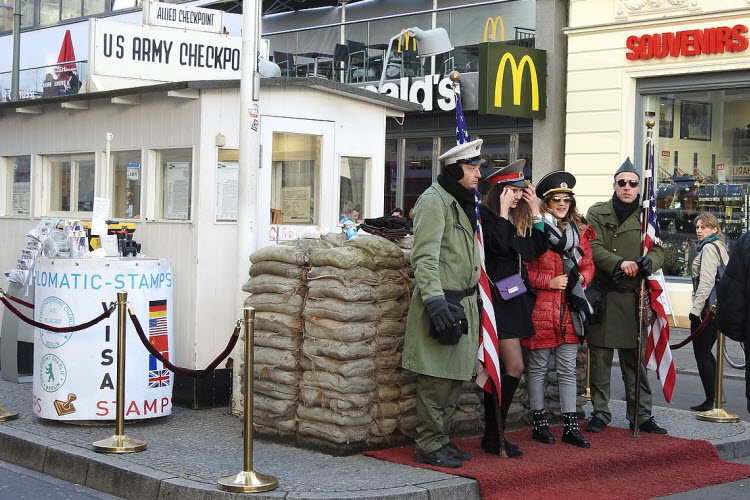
x=512 y=80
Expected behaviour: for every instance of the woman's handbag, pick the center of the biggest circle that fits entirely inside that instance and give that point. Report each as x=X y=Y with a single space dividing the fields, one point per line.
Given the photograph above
x=512 y=286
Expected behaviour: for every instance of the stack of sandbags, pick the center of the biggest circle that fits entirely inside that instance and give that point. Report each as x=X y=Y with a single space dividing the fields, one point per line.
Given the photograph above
x=278 y=287
x=468 y=419
x=354 y=321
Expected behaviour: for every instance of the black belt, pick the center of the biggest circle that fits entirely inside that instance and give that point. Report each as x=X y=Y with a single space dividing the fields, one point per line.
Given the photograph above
x=460 y=294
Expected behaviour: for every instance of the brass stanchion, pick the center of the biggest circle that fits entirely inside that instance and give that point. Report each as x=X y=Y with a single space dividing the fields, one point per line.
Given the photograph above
x=588 y=374
x=248 y=481
x=120 y=443
x=718 y=414
x=6 y=415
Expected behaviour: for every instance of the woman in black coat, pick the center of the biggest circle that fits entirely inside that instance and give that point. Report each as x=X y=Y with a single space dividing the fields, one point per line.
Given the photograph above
x=513 y=234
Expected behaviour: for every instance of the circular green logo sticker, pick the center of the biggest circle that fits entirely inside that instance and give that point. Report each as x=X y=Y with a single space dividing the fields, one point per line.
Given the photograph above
x=52 y=373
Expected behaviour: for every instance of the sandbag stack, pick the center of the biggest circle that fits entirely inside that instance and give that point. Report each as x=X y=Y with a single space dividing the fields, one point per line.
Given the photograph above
x=354 y=326
x=278 y=287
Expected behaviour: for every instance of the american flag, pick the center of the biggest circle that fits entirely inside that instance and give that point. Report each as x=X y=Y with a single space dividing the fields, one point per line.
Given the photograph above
x=658 y=354
x=157 y=337
x=487 y=357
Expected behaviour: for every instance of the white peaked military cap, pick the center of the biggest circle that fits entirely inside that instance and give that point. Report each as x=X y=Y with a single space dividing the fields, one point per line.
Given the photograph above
x=469 y=153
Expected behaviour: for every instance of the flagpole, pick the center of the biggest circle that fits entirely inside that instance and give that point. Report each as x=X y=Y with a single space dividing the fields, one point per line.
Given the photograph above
x=15 y=70
x=643 y=297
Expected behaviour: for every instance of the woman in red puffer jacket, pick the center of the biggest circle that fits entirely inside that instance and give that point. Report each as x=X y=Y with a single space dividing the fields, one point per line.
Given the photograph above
x=558 y=276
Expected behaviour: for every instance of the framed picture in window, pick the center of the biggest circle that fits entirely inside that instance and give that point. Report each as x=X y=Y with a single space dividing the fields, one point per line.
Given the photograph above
x=695 y=120
x=666 y=117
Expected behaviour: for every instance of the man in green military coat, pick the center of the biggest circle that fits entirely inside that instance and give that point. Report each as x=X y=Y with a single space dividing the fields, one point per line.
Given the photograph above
x=442 y=329
x=619 y=267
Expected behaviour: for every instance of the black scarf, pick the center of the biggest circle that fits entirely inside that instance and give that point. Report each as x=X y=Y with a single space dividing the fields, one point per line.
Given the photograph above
x=624 y=210
x=464 y=197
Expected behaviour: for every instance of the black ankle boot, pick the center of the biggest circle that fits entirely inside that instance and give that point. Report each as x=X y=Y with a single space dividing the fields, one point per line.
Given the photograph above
x=571 y=434
x=541 y=428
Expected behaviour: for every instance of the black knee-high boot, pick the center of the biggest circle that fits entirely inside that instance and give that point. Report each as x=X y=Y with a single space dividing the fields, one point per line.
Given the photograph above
x=508 y=385
x=491 y=439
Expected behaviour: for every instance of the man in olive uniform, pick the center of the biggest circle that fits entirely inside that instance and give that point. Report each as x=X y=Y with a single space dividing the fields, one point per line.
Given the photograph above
x=442 y=329
x=619 y=267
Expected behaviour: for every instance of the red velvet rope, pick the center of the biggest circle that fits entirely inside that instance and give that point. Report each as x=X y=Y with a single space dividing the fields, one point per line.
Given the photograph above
x=185 y=371
x=22 y=302
x=698 y=331
x=57 y=329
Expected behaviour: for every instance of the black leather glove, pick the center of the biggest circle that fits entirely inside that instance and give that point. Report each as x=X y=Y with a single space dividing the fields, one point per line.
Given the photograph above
x=644 y=266
x=694 y=318
x=440 y=314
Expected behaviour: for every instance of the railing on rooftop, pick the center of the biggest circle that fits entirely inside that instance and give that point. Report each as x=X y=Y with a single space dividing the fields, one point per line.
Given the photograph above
x=47 y=81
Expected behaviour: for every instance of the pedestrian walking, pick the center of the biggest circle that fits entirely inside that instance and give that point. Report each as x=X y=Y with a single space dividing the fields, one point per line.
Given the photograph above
x=513 y=235
x=442 y=328
x=712 y=253
x=619 y=266
x=559 y=276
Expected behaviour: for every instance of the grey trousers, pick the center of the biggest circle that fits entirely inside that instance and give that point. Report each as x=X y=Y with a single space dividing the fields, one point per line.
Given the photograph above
x=436 y=402
x=565 y=360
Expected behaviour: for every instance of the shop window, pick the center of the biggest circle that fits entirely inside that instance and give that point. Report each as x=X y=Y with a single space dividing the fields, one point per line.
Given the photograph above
x=295 y=176
x=71 y=183
x=353 y=185
x=19 y=185
x=418 y=159
x=91 y=7
x=227 y=171
x=711 y=131
x=391 y=175
x=174 y=180
x=126 y=192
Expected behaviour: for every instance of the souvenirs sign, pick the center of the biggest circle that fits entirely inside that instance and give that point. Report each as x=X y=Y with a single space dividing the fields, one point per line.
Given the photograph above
x=75 y=374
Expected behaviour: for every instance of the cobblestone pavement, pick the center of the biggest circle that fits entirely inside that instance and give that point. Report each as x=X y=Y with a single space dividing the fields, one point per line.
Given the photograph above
x=189 y=450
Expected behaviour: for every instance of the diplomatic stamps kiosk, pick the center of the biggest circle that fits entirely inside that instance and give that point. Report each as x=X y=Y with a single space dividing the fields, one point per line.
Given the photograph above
x=75 y=376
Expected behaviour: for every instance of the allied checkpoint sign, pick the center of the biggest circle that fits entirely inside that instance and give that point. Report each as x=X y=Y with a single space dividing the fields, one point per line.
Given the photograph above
x=159 y=54
x=75 y=374
x=182 y=16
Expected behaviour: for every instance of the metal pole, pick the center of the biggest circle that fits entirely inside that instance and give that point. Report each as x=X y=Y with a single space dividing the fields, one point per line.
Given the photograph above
x=718 y=414
x=16 y=51
x=248 y=481
x=120 y=443
x=249 y=145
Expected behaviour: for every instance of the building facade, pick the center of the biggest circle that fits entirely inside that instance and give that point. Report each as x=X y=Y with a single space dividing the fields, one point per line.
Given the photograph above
x=688 y=62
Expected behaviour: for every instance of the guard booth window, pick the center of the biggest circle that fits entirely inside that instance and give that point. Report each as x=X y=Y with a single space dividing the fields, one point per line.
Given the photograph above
x=295 y=175
x=175 y=169
x=352 y=185
x=126 y=192
x=71 y=183
x=19 y=186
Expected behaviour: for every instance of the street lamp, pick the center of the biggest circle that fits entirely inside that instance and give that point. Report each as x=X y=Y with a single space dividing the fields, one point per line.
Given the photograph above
x=429 y=43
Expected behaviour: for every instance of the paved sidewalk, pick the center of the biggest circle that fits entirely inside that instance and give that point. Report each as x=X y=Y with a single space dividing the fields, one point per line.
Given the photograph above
x=190 y=450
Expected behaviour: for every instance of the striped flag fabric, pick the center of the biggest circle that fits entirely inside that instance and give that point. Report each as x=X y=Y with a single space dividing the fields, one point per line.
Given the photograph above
x=488 y=363
x=658 y=354
x=158 y=376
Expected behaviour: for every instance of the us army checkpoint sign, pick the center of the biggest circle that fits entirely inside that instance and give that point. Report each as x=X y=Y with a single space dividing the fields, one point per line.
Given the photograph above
x=75 y=374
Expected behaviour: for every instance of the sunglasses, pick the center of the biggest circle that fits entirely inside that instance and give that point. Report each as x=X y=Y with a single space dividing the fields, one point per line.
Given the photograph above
x=633 y=183
x=558 y=199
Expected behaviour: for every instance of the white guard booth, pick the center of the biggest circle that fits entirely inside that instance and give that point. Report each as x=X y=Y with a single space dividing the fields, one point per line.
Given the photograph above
x=75 y=374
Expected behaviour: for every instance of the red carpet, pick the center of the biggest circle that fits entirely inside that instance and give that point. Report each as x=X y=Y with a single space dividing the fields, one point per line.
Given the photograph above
x=616 y=466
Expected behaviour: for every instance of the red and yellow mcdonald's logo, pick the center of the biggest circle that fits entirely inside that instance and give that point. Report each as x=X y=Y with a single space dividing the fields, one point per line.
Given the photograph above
x=494 y=23
x=404 y=38
x=512 y=80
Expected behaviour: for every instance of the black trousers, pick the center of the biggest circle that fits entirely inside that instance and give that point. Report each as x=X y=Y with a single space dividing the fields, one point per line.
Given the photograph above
x=704 y=358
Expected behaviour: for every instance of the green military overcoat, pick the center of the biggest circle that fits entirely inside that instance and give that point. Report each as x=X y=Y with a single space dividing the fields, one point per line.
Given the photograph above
x=613 y=242
x=445 y=256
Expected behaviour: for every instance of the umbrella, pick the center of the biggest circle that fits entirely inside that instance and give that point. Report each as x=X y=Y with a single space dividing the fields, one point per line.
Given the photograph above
x=67 y=55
